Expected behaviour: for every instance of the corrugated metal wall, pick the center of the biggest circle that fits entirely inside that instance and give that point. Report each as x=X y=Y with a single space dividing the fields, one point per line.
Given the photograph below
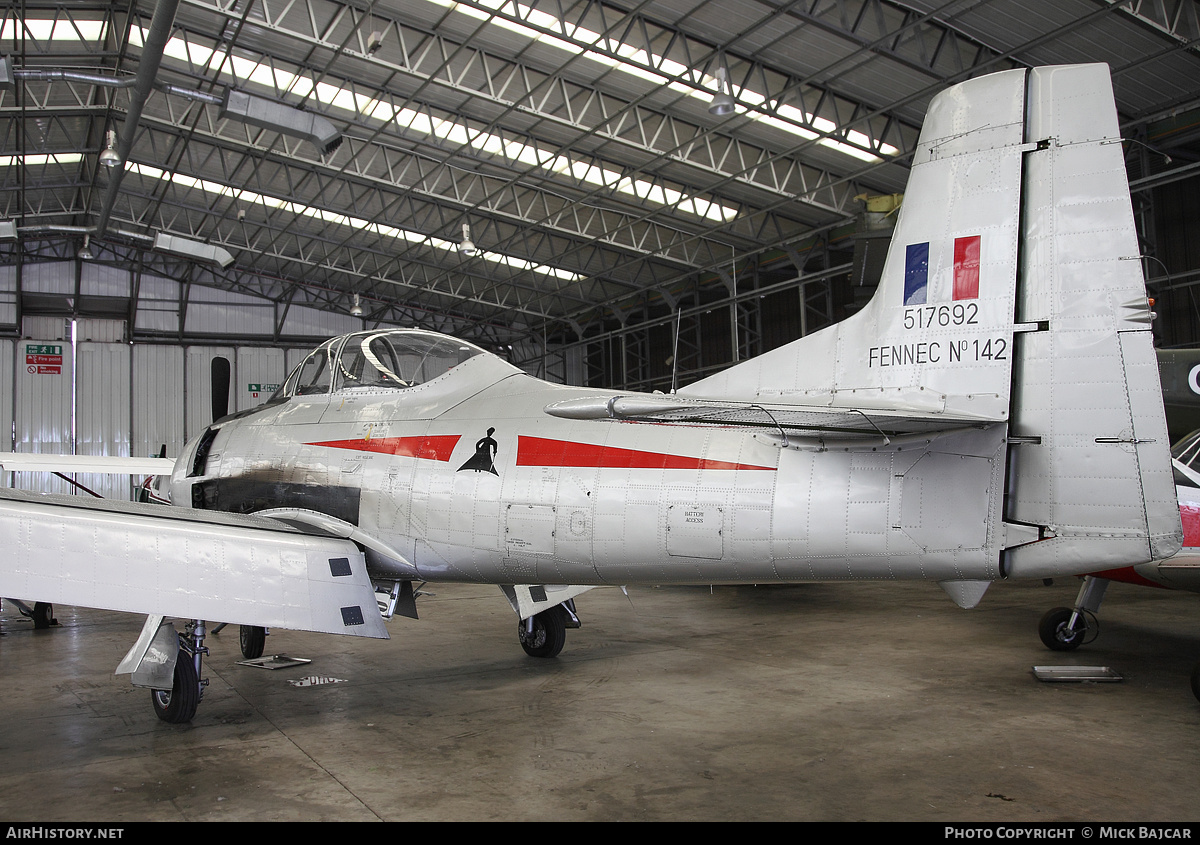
x=129 y=399
x=260 y=370
x=161 y=303
x=158 y=400
x=42 y=405
x=6 y=404
x=102 y=411
x=120 y=398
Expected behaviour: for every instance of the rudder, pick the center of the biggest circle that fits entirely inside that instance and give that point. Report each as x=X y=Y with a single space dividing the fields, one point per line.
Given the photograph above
x=1090 y=463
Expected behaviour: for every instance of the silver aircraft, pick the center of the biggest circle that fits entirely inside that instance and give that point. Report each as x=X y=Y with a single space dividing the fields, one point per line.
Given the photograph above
x=994 y=412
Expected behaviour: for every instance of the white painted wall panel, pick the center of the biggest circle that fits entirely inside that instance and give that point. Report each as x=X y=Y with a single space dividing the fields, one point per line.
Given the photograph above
x=260 y=370
x=55 y=277
x=102 y=421
x=103 y=280
x=100 y=330
x=158 y=304
x=43 y=407
x=7 y=350
x=158 y=400
x=157 y=316
x=158 y=288
x=256 y=317
x=8 y=296
x=49 y=328
x=301 y=320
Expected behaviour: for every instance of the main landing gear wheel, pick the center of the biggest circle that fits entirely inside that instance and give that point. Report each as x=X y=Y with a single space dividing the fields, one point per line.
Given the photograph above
x=548 y=634
x=43 y=615
x=253 y=639
x=178 y=705
x=1057 y=632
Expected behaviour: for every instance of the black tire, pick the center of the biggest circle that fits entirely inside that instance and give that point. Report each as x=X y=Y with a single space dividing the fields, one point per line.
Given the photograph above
x=179 y=704
x=253 y=639
x=1196 y=681
x=1056 y=633
x=549 y=633
x=43 y=615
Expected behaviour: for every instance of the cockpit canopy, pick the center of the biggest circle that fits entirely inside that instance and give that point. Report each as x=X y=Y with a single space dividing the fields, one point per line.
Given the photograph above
x=387 y=359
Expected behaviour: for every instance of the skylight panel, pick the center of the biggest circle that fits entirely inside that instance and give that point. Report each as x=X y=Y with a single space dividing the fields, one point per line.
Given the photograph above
x=35 y=159
x=248 y=197
x=450 y=130
x=61 y=29
x=636 y=62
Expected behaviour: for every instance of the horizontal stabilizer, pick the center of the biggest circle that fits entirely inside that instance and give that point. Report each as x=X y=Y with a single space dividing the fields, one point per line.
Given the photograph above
x=1181 y=572
x=183 y=563
x=798 y=424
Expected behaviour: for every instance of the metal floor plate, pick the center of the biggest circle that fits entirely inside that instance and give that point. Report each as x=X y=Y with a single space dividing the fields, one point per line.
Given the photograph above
x=275 y=661
x=1076 y=674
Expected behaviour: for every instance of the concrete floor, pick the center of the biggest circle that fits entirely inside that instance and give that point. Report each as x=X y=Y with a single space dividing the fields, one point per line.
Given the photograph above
x=824 y=701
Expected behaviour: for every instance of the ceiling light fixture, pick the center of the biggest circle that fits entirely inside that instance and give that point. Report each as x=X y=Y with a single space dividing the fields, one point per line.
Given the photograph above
x=356 y=310
x=722 y=103
x=467 y=247
x=109 y=156
x=85 y=253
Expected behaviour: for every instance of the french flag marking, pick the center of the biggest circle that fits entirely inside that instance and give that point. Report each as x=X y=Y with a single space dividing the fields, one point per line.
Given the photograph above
x=916 y=274
x=966 y=268
x=965 y=272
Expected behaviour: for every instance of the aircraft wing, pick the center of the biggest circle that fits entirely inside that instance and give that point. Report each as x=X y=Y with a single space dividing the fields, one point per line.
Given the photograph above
x=117 y=465
x=183 y=563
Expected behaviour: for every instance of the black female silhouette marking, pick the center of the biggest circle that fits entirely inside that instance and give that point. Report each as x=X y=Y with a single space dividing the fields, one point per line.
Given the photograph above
x=484 y=459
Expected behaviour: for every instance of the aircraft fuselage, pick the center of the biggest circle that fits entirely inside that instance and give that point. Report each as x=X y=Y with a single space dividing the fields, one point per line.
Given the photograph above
x=471 y=480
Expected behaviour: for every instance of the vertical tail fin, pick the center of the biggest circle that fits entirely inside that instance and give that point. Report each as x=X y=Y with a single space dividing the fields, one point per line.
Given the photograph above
x=937 y=336
x=1012 y=292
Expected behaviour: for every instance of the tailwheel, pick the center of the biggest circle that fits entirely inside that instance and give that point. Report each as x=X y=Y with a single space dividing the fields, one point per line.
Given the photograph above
x=1059 y=633
x=178 y=704
x=544 y=634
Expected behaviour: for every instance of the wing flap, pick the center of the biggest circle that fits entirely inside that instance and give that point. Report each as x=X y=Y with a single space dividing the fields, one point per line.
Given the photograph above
x=183 y=563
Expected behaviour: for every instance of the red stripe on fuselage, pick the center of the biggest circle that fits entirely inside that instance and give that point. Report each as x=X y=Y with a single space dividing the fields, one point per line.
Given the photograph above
x=1189 y=514
x=433 y=448
x=541 y=452
x=1127 y=575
